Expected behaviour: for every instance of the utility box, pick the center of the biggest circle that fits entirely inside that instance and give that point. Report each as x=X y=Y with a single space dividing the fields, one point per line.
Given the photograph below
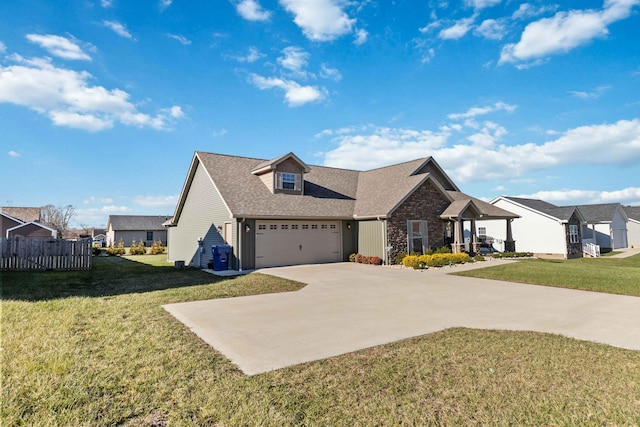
x=220 y=257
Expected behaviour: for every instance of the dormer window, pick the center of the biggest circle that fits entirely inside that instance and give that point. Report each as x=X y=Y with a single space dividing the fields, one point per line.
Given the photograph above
x=288 y=181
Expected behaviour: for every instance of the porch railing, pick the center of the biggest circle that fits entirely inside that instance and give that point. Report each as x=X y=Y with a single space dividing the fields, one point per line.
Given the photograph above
x=591 y=249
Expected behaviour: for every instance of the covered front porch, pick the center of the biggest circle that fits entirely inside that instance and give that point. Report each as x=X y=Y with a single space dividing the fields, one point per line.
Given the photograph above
x=465 y=212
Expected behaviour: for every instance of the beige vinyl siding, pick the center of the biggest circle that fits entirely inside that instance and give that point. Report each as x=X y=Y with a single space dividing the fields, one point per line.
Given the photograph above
x=372 y=238
x=202 y=213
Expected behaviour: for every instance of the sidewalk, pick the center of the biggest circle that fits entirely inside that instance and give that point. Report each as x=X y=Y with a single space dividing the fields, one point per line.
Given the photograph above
x=626 y=252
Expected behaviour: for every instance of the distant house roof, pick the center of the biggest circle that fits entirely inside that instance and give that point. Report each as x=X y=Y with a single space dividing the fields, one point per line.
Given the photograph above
x=328 y=192
x=562 y=213
x=633 y=212
x=31 y=226
x=136 y=222
x=600 y=213
x=24 y=214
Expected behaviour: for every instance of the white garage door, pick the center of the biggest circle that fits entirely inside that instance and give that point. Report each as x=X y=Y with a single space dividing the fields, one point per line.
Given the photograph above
x=297 y=242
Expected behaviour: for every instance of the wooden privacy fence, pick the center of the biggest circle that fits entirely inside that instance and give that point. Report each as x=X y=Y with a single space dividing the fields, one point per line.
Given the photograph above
x=19 y=253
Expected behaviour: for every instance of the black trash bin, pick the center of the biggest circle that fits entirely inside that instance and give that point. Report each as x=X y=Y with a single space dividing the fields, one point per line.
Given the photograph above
x=220 y=257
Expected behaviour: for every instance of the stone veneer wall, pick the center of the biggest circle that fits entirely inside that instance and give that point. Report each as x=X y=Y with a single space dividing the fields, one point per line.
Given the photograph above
x=574 y=250
x=425 y=204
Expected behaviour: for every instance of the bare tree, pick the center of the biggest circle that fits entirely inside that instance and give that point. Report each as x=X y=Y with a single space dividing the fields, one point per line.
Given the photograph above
x=57 y=218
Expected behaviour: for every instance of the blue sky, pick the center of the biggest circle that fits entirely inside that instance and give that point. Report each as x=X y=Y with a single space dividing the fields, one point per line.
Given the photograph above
x=103 y=102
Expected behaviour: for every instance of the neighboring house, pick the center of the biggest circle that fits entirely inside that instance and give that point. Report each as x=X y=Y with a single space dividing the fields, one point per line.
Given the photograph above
x=543 y=228
x=23 y=222
x=24 y=214
x=606 y=225
x=633 y=226
x=32 y=230
x=285 y=212
x=7 y=222
x=127 y=228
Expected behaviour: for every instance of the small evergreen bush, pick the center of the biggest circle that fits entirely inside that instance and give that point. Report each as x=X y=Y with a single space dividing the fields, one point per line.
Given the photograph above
x=138 y=249
x=157 y=248
x=116 y=250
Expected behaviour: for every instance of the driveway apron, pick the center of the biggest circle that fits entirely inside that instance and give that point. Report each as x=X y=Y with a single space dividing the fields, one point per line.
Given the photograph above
x=347 y=307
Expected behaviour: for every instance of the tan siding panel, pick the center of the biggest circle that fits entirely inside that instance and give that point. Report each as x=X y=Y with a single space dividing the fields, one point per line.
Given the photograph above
x=371 y=238
x=203 y=212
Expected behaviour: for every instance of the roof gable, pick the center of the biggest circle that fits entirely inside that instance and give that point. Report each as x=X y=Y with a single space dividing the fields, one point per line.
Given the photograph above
x=271 y=165
x=559 y=213
x=601 y=213
x=432 y=167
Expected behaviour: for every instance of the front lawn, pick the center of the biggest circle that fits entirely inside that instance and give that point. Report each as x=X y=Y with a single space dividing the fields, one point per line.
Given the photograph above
x=610 y=275
x=95 y=348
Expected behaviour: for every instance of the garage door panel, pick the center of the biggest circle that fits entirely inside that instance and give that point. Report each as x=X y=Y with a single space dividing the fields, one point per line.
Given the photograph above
x=297 y=242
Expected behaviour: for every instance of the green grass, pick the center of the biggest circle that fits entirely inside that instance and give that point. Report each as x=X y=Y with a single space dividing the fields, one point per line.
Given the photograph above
x=95 y=348
x=610 y=275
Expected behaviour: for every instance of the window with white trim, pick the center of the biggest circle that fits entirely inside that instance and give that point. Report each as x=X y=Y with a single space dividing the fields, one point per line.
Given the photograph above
x=288 y=181
x=574 y=236
x=417 y=237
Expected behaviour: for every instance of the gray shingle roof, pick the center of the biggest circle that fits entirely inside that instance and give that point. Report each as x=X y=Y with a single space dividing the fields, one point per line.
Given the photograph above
x=633 y=212
x=22 y=213
x=562 y=213
x=599 y=213
x=328 y=192
x=485 y=209
x=136 y=222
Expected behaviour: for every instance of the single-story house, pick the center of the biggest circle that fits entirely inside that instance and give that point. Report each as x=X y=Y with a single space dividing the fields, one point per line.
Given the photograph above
x=141 y=228
x=633 y=226
x=606 y=225
x=544 y=229
x=285 y=212
x=32 y=230
x=23 y=222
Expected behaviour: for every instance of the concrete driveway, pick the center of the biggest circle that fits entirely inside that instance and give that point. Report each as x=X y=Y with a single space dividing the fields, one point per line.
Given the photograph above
x=347 y=307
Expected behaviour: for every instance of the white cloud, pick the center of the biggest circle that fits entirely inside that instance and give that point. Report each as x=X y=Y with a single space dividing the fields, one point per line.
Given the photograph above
x=118 y=28
x=106 y=3
x=94 y=199
x=568 y=196
x=613 y=144
x=361 y=37
x=527 y=10
x=166 y=202
x=252 y=56
x=493 y=29
x=165 y=4
x=565 y=31
x=596 y=93
x=59 y=46
x=428 y=56
x=295 y=94
x=3 y=47
x=251 y=10
x=294 y=59
x=457 y=30
x=219 y=133
x=67 y=98
x=327 y=72
x=319 y=20
x=182 y=39
x=481 y=4
x=13 y=154
x=479 y=111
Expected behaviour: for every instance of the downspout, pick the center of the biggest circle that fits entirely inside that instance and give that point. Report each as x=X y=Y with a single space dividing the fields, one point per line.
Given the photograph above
x=239 y=240
x=383 y=228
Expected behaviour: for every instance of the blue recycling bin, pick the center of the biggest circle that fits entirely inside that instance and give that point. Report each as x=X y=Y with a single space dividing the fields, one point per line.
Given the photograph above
x=220 y=257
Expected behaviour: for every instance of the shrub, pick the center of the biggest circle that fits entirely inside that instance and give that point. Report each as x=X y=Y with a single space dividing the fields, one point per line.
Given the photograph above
x=411 y=261
x=443 y=250
x=374 y=260
x=157 y=248
x=512 y=255
x=138 y=249
x=399 y=257
x=478 y=258
x=116 y=250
